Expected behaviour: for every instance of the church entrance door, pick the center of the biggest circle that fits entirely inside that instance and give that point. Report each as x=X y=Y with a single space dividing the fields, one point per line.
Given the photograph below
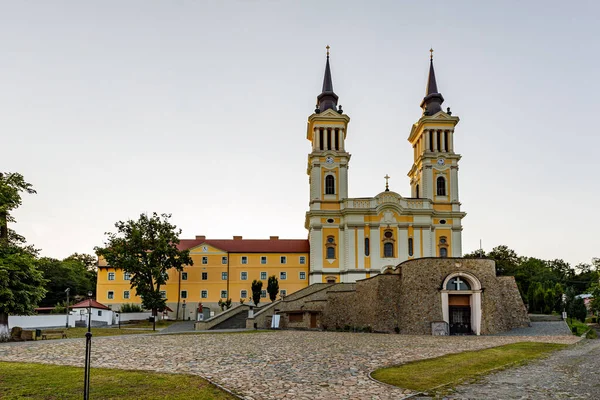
x=460 y=315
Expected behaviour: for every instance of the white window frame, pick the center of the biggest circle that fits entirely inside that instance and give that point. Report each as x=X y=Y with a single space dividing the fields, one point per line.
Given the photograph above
x=223 y=291
x=163 y=294
x=283 y=292
x=184 y=294
x=110 y=295
x=224 y=260
x=244 y=260
x=184 y=276
x=283 y=276
x=302 y=260
x=263 y=259
x=111 y=276
x=204 y=294
x=244 y=275
x=204 y=260
x=126 y=276
x=263 y=294
x=263 y=273
x=126 y=294
x=243 y=294
x=202 y=276
x=223 y=276
x=302 y=275
x=283 y=260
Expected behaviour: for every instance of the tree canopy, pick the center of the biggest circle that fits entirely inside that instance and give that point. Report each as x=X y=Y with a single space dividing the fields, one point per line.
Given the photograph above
x=146 y=249
x=72 y=273
x=272 y=287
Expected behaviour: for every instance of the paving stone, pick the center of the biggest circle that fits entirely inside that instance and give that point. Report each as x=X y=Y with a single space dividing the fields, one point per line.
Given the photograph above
x=270 y=365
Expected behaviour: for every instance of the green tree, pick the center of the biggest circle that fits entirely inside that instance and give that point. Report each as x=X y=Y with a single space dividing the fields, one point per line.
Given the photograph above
x=21 y=283
x=272 y=287
x=146 y=249
x=69 y=273
x=558 y=297
x=256 y=291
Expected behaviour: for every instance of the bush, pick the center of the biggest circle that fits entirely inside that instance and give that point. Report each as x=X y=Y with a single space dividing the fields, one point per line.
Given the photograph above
x=592 y=334
x=128 y=308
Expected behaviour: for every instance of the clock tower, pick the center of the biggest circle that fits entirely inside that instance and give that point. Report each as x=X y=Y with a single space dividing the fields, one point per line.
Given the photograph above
x=328 y=177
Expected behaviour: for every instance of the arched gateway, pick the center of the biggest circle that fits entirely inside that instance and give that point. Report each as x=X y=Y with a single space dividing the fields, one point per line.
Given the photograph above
x=461 y=303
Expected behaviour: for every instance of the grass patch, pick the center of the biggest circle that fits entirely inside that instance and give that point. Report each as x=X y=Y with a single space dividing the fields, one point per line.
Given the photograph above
x=580 y=327
x=428 y=374
x=49 y=382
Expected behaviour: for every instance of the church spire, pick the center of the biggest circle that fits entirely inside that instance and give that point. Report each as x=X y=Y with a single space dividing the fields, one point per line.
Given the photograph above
x=327 y=99
x=432 y=102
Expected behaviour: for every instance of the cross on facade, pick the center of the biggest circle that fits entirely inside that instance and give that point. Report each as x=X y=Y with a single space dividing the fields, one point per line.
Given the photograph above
x=387 y=187
x=457 y=282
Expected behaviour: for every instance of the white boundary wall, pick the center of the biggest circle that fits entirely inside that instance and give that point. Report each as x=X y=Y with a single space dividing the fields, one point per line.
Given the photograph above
x=40 y=321
x=138 y=316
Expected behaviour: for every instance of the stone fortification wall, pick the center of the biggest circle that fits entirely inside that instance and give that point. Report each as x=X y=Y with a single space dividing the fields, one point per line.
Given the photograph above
x=513 y=309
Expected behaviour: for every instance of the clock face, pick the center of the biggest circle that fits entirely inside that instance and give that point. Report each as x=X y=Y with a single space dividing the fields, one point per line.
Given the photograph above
x=441 y=161
x=329 y=160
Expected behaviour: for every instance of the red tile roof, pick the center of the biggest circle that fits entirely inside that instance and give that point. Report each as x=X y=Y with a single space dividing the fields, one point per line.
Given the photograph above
x=250 y=245
x=89 y=302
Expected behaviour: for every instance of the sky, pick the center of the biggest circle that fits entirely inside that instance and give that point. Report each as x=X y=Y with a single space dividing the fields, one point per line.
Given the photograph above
x=199 y=109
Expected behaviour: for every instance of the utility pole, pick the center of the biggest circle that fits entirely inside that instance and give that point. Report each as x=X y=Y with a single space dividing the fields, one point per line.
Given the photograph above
x=67 y=290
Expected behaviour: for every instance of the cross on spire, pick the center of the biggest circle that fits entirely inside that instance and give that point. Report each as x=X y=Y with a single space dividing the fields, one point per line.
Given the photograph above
x=387 y=187
x=431 y=53
x=327 y=47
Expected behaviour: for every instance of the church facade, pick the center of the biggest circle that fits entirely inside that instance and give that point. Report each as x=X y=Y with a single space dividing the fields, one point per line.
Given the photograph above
x=388 y=262
x=356 y=238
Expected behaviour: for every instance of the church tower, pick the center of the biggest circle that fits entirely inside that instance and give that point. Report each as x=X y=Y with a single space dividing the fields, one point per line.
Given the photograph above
x=434 y=173
x=328 y=177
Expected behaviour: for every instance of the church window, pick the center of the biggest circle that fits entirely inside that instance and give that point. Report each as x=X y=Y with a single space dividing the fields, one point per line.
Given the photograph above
x=388 y=234
x=329 y=184
x=439 y=141
x=367 y=247
x=443 y=252
x=442 y=221
x=336 y=139
x=430 y=141
x=410 y=247
x=328 y=139
x=446 y=140
x=417 y=191
x=330 y=239
x=330 y=279
x=441 y=186
x=205 y=276
x=321 y=139
x=330 y=220
x=331 y=253
x=443 y=240
x=388 y=249
x=457 y=284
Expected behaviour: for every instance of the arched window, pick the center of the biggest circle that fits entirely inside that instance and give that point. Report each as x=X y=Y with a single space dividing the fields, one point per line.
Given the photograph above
x=441 y=186
x=457 y=283
x=388 y=249
x=329 y=184
x=367 y=247
x=443 y=252
x=410 y=247
x=417 y=191
x=331 y=253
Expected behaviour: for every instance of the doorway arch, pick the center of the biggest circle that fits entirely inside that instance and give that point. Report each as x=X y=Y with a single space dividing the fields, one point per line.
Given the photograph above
x=462 y=290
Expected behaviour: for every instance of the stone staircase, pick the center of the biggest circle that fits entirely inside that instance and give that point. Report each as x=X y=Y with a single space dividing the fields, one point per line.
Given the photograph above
x=236 y=321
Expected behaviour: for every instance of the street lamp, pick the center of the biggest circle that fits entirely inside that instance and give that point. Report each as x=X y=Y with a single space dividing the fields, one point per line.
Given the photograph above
x=67 y=290
x=88 y=351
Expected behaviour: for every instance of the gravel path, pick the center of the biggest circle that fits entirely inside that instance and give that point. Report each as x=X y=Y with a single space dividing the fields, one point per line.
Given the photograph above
x=567 y=374
x=546 y=328
x=269 y=365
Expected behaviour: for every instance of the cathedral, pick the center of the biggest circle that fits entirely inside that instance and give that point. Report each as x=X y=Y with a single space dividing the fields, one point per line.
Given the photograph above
x=349 y=239
x=355 y=238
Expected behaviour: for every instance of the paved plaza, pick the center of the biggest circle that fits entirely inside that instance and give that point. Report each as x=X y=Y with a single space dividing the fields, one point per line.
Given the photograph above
x=267 y=365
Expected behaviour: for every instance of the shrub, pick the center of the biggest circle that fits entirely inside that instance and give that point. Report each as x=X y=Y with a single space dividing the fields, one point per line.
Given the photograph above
x=128 y=308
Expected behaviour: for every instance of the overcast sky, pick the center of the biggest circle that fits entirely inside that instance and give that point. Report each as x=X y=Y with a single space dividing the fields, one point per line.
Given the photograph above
x=198 y=108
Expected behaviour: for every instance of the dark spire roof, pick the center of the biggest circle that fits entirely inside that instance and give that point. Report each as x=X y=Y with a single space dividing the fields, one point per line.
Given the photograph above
x=432 y=102
x=327 y=99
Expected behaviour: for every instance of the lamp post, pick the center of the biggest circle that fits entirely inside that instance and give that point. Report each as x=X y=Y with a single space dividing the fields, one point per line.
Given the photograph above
x=88 y=351
x=67 y=290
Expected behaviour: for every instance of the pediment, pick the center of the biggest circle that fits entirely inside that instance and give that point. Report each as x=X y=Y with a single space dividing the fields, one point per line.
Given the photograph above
x=205 y=248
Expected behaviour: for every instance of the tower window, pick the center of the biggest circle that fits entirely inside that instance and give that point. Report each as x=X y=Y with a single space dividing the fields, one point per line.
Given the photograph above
x=328 y=139
x=320 y=138
x=439 y=141
x=410 y=247
x=367 y=247
x=446 y=140
x=443 y=252
x=417 y=191
x=331 y=253
x=388 y=250
x=336 y=138
x=441 y=186
x=329 y=184
x=430 y=141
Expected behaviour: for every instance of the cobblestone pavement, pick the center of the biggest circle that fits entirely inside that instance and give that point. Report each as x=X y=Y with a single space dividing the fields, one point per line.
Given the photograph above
x=545 y=328
x=269 y=365
x=567 y=374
